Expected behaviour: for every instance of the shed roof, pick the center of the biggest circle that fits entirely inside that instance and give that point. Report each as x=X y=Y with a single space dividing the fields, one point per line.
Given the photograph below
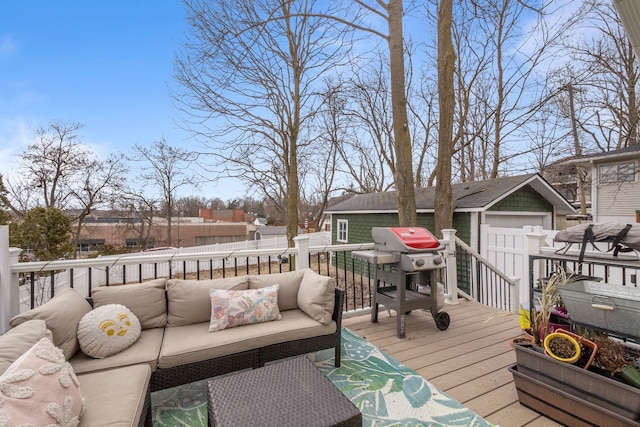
x=468 y=196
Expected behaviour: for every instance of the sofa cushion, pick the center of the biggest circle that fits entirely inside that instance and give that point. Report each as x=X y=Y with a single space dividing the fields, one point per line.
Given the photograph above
x=61 y=314
x=145 y=350
x=316 y=296
x=40 y=389
x=194 y=343
x=115 y=397
x=236 y=308
x=16 y=341
x=289 y=283
x=107 y=330
x=146 y=300
x=189 y=300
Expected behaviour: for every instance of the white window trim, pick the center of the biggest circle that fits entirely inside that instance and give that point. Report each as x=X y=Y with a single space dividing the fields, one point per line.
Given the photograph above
x=340 y=230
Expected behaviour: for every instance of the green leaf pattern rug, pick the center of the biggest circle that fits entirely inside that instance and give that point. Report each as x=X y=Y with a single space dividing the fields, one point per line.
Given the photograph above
x=388 y=393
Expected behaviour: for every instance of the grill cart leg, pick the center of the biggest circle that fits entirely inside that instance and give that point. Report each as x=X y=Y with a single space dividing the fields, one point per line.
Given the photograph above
x=374 y=304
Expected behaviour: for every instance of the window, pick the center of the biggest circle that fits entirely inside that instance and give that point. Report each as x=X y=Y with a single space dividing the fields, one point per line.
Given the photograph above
x=343 y=231
x=87 y=245
x=619 y=172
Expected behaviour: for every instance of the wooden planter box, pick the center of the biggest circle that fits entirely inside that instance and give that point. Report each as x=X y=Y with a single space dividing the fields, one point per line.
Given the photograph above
x=585 y=386
x=563 y=407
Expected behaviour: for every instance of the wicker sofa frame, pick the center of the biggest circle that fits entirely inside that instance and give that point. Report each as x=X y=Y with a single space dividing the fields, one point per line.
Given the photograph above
x=184 y=374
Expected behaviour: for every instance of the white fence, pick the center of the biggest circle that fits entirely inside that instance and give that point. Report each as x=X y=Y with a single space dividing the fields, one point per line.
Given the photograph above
x=508 y=249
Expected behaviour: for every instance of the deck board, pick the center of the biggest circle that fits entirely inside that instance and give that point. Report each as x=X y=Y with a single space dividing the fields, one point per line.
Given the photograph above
x=469 y=361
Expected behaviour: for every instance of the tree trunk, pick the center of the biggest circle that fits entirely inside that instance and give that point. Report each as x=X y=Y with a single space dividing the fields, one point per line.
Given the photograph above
x=444 y=204
x=405 y=192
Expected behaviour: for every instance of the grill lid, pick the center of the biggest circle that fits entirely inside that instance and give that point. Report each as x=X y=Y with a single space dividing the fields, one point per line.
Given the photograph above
x=404 y=239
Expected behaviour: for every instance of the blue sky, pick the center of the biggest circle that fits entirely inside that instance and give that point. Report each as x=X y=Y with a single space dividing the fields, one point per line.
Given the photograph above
x=105 y=64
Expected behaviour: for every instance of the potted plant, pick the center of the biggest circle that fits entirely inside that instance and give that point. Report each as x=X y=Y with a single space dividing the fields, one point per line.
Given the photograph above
x=611 y=357
x=562 y=347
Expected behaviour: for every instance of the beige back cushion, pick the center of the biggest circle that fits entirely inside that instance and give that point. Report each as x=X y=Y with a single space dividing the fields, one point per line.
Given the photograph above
x=289 y=284
x=316 y=296
x=61 y=314
x=146 y=300
x=189 y=300
x=18 y=340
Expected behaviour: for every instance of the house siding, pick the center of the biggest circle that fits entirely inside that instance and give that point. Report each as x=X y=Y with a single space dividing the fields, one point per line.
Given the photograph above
x=618 y=201
x=525 y=199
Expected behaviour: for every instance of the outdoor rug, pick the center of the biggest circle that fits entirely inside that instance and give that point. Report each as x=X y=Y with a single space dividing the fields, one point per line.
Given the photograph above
x=387 y=392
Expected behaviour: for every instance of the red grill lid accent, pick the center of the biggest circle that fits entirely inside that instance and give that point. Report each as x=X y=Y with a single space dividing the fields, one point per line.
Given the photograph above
x=416 y=237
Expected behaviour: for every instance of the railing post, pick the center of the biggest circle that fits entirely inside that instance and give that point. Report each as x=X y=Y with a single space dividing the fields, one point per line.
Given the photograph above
x=535 y=239
x=448 y=235
x=515 y=301
x=302 y=245
x=9 y=286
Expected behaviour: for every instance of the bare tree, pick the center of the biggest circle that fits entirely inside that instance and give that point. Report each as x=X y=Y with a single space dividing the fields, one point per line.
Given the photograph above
x=95 y=190
x=141 y=210
x=49 y=166
x=59 y=171
x=248 y=76
x=166 y=168
x=368 y=157
x=605 y=81
x=443 y=204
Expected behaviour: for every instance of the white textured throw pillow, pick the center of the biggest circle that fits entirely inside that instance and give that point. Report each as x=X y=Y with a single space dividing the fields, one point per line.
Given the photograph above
x=40 y=389
x=108 y=330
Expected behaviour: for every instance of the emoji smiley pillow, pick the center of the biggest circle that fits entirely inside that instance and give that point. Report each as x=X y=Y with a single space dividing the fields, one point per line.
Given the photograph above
x=108 y=330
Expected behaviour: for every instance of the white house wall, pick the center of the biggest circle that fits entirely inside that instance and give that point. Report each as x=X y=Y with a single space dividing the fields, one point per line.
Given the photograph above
x=615 y=201
x=618 y=202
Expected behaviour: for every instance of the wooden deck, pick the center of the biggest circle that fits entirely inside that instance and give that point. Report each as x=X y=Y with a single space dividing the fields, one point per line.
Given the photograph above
x=468 y=361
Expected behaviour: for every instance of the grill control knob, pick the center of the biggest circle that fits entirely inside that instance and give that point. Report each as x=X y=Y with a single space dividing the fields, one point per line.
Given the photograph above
x=419 y=262
x=437 y=260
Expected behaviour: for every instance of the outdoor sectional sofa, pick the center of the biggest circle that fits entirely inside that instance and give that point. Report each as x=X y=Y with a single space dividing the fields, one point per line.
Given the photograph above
x=175 y=346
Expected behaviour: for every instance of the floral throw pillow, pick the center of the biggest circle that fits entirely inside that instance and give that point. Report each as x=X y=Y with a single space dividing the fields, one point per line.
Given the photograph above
x=40 y=389
x=231 y=308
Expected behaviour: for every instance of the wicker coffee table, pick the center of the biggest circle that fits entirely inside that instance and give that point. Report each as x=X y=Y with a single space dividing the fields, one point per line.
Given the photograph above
x=288 y=393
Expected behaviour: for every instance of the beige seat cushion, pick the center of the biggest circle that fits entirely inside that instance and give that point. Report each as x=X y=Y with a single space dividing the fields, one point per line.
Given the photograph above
x=145 y=350
x=189 y=301
x=15 y=342
x=115 y=397
x=194 y=343
x=62 y=315
x=289 y=284
x=146 y=300
x=316 y=296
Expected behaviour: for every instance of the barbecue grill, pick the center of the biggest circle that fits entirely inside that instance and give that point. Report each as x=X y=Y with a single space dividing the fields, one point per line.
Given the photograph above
x=406 y=259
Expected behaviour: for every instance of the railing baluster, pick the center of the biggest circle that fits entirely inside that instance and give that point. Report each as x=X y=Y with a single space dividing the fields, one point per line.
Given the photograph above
x=53 y=283
x=33 y=289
